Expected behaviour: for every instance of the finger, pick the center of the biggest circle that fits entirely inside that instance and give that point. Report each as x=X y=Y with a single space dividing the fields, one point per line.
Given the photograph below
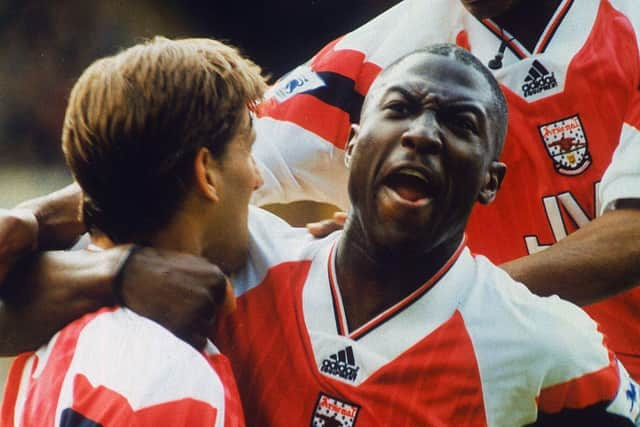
x=323 y=228
x=340 y=217
x=229 y=305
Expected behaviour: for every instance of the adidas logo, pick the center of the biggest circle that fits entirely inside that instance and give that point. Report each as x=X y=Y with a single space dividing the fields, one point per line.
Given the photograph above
x=342 y=364
x=538 y=79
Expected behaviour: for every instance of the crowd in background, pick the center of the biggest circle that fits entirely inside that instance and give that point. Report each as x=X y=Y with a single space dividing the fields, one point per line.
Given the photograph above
x=45 y=45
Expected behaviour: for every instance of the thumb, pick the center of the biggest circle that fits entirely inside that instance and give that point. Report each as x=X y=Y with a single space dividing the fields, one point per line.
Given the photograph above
x=229 y=303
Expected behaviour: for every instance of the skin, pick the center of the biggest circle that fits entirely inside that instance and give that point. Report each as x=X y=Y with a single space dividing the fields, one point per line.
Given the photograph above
x=432 y=117
x=227 y=183
x=47 y=290
x=593 y=263
x=488 y=8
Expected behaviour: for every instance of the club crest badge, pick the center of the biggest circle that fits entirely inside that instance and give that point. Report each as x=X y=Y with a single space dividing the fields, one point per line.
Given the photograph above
x=332 y=412
x=566 y=143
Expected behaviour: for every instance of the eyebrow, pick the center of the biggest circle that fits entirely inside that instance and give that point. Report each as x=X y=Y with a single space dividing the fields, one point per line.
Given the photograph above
x=401 y=90
x=455 y=104
x=464 y=106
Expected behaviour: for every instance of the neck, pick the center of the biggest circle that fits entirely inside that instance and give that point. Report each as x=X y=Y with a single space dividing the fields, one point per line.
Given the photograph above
x=182 y=234
x=527 y=20
x=373 y=279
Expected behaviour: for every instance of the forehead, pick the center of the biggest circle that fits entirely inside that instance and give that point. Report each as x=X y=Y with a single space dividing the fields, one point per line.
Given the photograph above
x=440 y=76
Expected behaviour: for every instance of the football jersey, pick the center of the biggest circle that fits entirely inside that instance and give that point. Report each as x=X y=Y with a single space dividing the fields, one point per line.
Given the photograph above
x=468 y=347
x=573 y=142
x=115 y=368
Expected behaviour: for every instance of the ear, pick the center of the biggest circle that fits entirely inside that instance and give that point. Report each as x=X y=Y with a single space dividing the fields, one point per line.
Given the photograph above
x=205 y=171
x=492 y=181
x=353 y=137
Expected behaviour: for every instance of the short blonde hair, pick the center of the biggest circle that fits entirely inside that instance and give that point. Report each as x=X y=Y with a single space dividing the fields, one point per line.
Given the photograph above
x=135 y=121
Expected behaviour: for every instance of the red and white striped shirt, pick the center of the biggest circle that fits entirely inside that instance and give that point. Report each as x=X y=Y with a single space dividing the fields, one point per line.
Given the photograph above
x=469 y=347
x=115 y=368
x=573 y=143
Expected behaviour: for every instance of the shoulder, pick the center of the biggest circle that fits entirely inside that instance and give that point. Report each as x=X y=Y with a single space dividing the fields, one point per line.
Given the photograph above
x=273 y=242
x=558 y=338
x=142 y=361
x=534 y=354
x=630 y=10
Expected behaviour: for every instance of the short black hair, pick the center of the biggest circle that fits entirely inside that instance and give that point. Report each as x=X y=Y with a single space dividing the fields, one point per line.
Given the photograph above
x=449 y=50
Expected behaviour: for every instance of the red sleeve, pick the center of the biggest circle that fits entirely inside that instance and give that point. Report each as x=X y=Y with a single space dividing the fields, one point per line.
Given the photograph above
x=102 y=406
x=326 y=96
x=604 y=397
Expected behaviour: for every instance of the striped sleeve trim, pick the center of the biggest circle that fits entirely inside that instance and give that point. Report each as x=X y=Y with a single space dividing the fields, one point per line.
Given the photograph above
x=583 y=391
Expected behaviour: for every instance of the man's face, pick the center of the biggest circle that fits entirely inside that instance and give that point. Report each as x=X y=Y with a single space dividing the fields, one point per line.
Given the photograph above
x=238 y=178
x=422 y=153
x=488 y=8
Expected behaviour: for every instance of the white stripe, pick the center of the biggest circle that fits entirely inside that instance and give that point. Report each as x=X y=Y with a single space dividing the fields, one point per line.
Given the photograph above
x=425 y=22
x=552 y=20
x=525 y=343
x=297 y=164
x=391 y=338
x=141 y=361
x=23 y=391
x=622 y=177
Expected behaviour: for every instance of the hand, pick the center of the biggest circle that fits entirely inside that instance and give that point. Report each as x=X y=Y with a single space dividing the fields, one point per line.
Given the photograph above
x=328 y=226
x=182 y=292
x=18 y=237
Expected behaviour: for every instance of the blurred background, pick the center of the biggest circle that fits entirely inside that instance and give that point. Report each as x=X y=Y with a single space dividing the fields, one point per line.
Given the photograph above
x=44 y=46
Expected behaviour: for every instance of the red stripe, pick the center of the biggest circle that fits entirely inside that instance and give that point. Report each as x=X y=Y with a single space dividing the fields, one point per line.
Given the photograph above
x=552 y=28
x=326 y=121
x=589 y=389
x=233 y=414
x=349 y=63
x=110 y=409
x=505 y=37
x=40 y=406
x=12 y=388
x=307 y=111
x=338 y=309
x=462 y=40
x=390 y=312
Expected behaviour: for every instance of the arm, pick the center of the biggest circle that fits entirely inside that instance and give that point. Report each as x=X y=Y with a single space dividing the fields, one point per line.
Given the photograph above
x=600 y=259
x=48 y=290
x=48 y=222
x=58 y=217
x=581 y=381
x=305 y=119
x=597 y=261
x=45 y=291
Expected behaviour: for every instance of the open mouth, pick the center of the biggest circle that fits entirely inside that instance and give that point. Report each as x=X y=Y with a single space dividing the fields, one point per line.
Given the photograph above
x=410 y=185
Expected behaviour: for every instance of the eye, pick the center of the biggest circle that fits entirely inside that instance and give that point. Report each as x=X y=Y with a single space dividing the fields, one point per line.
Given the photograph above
x=400 y=108
x=463 y=122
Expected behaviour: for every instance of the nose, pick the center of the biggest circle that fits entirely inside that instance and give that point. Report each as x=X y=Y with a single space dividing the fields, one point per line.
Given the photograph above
x=257 y=176
x=423 y=134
